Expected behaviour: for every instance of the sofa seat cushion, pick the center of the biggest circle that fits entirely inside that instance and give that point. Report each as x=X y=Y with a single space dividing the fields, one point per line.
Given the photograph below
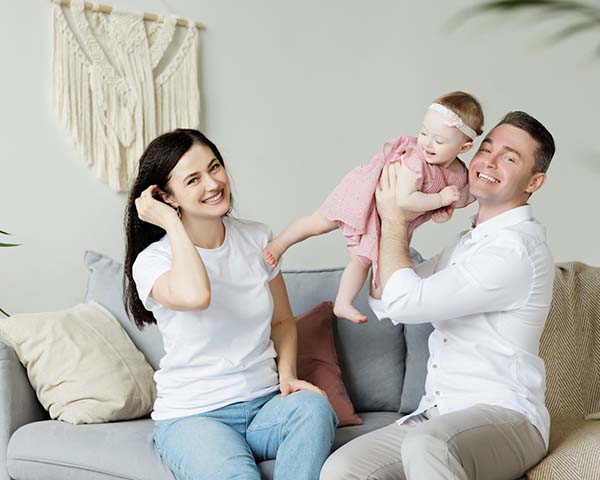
x=57 y=450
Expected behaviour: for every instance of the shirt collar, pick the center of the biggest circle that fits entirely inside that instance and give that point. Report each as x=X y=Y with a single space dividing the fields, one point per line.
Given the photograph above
x=506 y=219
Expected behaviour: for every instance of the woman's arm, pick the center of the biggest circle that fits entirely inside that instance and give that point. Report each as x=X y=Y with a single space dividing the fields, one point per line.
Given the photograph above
x=185 y=286
x=284 y=336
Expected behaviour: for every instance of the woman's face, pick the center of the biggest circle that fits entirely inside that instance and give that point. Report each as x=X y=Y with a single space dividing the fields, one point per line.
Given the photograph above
x=199 y=184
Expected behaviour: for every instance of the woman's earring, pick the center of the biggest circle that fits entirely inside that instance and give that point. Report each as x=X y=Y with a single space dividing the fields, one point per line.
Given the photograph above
x=178 y=210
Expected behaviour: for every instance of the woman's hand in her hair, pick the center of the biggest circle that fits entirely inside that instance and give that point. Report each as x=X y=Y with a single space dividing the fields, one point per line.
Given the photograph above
x=154 y=211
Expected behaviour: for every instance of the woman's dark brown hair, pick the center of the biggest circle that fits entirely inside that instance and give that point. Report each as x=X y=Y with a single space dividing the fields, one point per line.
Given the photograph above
x=156 y=164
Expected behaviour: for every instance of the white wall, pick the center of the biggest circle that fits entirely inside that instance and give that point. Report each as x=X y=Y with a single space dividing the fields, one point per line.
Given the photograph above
x=295 y=94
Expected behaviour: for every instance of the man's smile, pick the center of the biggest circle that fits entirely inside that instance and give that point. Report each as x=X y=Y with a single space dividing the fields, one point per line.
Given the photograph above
x=487 y=178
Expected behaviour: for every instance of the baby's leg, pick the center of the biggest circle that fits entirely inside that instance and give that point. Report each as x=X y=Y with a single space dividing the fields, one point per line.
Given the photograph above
x=300 y=229
x=352 y=281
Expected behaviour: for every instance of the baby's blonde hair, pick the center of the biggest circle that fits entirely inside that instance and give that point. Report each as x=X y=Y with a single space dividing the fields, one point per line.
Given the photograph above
x=466 y=106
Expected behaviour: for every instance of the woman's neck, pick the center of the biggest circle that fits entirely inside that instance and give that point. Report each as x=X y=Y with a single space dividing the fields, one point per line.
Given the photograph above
x=205 y=233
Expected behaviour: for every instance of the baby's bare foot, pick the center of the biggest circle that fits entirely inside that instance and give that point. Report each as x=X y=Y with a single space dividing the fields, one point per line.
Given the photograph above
x=273 y=252
x=347 y=311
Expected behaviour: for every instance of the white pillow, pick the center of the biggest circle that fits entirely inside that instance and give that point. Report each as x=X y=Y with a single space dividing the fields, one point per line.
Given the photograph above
x=82 y=365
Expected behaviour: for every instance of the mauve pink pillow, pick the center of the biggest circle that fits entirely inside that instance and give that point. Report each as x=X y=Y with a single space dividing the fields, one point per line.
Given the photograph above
x=318 y=362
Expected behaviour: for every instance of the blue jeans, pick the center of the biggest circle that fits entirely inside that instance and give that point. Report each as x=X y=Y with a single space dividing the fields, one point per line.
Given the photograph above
x=297 y=431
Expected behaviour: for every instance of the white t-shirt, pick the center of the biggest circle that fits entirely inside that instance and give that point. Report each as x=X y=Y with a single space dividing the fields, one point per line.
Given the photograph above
x=223 y=354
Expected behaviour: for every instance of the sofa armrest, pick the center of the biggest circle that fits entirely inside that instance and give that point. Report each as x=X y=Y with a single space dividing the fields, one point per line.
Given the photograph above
x=573 y=451
x=18 y=402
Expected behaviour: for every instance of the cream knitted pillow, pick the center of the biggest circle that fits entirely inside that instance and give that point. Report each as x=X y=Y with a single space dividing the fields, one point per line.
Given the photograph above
x=81 y=364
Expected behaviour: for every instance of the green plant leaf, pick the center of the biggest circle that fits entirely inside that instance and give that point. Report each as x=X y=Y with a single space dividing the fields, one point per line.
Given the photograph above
x=575 y=29
x=8 y=244
x=589 y=15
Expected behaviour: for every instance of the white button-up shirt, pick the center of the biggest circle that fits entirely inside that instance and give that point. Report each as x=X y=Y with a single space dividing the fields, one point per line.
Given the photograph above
x=487 y=296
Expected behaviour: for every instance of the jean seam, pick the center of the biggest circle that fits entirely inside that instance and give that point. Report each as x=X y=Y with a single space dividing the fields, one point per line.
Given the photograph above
x=264 y=426
x=180 y=473
x=246 y=416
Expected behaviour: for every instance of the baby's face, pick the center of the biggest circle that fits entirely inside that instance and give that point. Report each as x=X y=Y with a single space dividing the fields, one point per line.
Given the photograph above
x=439 y=143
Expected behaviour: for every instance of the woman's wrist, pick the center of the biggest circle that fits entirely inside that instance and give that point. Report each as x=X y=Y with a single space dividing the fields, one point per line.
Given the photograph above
x=287 y=375
x=172 y=224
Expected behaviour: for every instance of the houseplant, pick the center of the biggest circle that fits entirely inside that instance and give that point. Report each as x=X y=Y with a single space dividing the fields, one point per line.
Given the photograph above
x=579 y=16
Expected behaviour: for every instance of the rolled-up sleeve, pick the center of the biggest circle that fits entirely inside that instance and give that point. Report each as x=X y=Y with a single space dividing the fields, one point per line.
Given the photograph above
x=493 y=279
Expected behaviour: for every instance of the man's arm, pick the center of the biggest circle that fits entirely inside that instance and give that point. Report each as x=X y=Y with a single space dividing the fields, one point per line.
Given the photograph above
x=496 y=278
x=394 y=243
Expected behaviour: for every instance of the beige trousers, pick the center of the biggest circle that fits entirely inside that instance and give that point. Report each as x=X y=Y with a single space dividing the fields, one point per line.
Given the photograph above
x=482 y=442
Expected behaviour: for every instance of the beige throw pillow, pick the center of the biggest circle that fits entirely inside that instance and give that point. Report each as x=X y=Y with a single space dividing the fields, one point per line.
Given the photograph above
x=82 y=365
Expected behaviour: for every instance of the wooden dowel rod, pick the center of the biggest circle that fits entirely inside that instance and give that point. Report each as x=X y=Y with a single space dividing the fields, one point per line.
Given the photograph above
x=151 y=17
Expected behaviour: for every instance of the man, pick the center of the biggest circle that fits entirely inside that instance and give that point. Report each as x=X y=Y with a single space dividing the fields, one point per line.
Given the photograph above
x=488 y=295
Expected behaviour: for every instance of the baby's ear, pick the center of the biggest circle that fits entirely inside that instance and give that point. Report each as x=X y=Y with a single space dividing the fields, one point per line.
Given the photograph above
x=465 y=147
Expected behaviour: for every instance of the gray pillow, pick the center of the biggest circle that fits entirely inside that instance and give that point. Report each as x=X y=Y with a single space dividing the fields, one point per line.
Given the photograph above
x=371 y=355
x=417 y=354
x=105 y=286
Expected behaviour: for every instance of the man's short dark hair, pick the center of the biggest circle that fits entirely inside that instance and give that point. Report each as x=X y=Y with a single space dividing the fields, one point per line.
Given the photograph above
x=545 y=142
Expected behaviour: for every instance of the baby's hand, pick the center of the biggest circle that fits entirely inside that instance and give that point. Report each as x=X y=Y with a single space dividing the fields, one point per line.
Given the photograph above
x=449 y=195
x=442 y=215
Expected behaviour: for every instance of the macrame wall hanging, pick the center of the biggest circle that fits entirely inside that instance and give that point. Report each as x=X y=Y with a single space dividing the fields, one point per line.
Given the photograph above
x=118 y=82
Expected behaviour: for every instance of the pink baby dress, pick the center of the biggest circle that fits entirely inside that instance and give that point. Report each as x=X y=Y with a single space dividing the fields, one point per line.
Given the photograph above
x=352 y=202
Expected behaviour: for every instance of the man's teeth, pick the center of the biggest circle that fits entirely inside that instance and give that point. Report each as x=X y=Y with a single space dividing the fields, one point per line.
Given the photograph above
x=488 y=178
x=214 y=198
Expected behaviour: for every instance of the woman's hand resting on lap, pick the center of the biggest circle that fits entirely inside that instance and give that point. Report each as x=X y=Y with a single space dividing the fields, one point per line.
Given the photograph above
x=295 y=385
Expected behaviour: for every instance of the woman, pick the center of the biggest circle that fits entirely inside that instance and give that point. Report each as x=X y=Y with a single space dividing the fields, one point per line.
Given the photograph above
x=223 y=402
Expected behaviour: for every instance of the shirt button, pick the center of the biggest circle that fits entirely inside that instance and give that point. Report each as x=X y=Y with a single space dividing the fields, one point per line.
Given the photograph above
x=437 y=392
x=435 y=365
x=445 y=340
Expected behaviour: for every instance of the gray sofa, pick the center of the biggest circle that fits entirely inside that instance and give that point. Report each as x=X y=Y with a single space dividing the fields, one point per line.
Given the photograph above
x=383 y=367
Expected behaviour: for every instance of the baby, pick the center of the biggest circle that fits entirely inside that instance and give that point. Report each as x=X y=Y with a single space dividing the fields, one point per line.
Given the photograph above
x=449 y=127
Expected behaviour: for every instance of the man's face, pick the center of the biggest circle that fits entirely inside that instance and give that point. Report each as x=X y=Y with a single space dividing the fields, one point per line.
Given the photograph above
x=500 y=173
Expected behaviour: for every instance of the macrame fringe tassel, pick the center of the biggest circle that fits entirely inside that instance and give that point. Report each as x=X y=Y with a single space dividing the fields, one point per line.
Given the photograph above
x=112 y=120
x=178 y=98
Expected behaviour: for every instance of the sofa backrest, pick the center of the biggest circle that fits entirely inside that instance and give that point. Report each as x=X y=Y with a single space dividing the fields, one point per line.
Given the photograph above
x=371 y=356
x=570 y=344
